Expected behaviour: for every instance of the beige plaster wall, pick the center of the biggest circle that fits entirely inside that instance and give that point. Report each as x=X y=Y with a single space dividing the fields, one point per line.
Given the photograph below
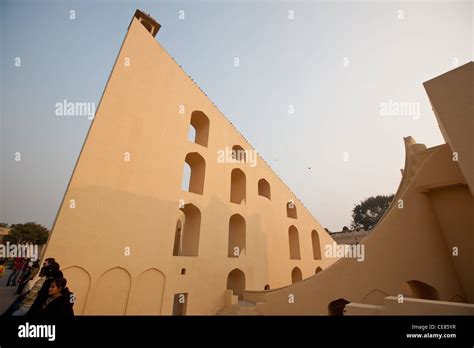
x=118 y=218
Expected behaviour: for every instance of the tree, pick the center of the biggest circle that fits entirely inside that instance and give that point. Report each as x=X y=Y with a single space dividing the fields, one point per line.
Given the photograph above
x=367 y=213
x=2 y=224
x=30 y=232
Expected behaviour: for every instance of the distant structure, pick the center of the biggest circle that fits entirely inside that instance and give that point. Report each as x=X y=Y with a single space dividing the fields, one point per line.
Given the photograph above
x=238 y=241
x=349 y=237
x=4 y=231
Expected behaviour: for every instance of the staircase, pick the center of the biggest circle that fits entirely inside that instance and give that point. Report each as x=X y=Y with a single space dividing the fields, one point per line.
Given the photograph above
x=240 y=308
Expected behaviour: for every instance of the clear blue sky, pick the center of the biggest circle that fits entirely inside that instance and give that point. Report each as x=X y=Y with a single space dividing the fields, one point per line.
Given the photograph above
x=282 y=62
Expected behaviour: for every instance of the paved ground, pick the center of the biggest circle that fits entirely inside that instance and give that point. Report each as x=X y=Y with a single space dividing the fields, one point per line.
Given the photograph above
x=6 y=293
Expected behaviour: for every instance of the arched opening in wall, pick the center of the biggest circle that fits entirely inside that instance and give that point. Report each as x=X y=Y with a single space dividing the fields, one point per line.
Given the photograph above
x=200 y=122
x=291 y=210
x=318 y=269
x=186 y=177
x=422 y=290
x=188 y=240
x=195 y=174
x=267 y=287
x=191 y=134
x=238 y=154
x=236 y=282
x=180 y=302
x=264 y=189
x=237 y=232
x=336 y=307
x=177 y=248
x=405 y=290
x=294 y=242
x=237 y=186
x=296 y=275
x=316 y=245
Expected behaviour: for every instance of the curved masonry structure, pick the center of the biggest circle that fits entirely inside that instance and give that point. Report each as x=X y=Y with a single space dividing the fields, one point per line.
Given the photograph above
x=131 y=241
x=125 y=227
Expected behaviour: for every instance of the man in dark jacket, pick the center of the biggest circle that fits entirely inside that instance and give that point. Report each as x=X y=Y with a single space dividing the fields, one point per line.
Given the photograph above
x=51 y=272
x=59 y=303
x=27 y=275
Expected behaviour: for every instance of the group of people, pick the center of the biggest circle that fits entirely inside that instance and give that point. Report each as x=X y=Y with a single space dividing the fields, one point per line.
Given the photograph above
x=48 y=298
x=23 y=270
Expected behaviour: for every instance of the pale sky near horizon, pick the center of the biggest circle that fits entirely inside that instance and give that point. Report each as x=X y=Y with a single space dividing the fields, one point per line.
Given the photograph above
x=336 y=62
